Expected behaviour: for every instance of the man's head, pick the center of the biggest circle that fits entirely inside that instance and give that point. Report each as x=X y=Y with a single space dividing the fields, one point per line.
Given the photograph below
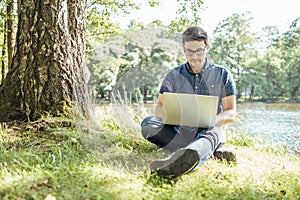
x=194 y=33
x=195 y=45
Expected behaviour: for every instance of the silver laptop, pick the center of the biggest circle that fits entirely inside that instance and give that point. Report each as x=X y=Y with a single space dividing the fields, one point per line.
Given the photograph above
x=189 y=109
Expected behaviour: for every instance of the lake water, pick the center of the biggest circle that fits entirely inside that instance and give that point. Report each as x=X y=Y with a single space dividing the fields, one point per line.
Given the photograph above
x=279 y=123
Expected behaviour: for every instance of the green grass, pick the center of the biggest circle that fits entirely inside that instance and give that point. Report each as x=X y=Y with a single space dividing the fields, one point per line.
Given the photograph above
x=83 y=161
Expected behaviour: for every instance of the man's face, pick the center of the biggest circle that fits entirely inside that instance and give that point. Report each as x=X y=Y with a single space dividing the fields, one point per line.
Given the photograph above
x=195 y=52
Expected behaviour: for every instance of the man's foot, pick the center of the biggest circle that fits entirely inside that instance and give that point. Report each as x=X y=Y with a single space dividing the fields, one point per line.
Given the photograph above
x=178 y=163
x=226 y=155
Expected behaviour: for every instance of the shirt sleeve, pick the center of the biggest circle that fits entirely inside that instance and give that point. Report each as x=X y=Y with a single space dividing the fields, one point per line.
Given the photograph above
x=230 y=88
x=167 y=84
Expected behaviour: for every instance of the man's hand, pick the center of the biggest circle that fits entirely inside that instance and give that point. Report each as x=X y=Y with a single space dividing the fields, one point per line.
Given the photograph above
x=229 y=111
x=158 y=108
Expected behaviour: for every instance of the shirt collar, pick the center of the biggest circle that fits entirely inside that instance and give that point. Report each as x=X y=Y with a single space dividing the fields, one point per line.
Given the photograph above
x=204 y=69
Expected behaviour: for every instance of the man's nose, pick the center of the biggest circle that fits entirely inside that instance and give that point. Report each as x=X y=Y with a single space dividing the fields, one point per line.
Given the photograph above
x=194 y=56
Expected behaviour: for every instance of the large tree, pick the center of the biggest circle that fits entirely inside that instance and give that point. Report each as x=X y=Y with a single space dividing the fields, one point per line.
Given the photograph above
x=289 y=45
x=233 y=45
x=47 y=71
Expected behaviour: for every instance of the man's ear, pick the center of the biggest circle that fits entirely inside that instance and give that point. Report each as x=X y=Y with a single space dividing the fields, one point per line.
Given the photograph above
x=207 y=47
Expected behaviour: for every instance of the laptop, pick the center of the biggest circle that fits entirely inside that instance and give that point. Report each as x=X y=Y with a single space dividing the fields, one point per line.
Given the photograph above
x=189 y=109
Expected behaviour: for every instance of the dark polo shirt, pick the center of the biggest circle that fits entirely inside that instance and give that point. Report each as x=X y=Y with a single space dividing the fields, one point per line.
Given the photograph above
x=213 y=80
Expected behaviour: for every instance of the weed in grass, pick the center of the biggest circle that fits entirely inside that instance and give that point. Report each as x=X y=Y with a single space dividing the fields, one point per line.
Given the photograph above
x=157 y=187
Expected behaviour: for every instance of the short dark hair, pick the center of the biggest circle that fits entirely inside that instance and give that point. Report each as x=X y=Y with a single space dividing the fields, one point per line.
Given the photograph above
x=194 y=33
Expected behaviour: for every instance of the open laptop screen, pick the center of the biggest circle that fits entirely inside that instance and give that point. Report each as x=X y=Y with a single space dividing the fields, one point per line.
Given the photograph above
x=189 y=109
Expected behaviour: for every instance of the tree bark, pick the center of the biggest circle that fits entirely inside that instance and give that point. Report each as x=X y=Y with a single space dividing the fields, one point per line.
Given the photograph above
x=10 y=31
x=47 y=74
x=3 y=55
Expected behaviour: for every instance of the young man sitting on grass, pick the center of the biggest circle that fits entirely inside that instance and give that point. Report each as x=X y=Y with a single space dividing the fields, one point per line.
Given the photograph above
x=192 y=146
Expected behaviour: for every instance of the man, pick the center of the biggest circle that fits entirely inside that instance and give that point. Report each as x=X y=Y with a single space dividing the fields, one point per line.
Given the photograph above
x=192 y=146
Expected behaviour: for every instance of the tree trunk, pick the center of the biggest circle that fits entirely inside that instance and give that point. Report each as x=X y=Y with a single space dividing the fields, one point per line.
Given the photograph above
x=10 y=31
x=3 y=55
x=47 y=74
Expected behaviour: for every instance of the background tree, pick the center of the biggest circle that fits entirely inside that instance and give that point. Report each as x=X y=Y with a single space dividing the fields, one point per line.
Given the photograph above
x=272 y=74
x=149 y=62
x=100 y=25
x=135 y=62
x=233 y=44
x=10 y=30
x=7 y=30
x=47 y=74
x=3 y=39
x=187 y=14
x=275 y=73
x=289 y=44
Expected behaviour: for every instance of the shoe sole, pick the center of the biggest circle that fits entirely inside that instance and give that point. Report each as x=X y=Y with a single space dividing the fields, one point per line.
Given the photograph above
x=180 y=163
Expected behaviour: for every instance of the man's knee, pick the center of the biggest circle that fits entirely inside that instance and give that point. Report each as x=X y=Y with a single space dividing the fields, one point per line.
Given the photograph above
x=216 y=136
x=151 y=125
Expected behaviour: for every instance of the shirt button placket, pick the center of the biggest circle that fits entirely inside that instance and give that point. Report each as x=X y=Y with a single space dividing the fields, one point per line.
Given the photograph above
x=197 y=83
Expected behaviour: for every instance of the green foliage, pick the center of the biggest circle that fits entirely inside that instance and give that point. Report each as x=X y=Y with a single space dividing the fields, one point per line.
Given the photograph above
x=187 y=15
x=121 y=123
x=265 y=74
x=126 y=138
x=279 y=66
x=135 y=61
x=290 y=51
x=233 y=45
x=241 y=139
x=100 y=25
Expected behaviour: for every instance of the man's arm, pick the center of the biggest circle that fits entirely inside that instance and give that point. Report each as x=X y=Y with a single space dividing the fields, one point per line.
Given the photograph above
x=229 y=111
x=158 y=108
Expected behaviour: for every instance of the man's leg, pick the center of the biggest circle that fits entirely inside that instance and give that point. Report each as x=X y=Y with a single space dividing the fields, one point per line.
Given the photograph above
x=192 y=156
x=171 y=138
x=181 y=162
x=206 y=142
x=217 y=138
x=168 y=137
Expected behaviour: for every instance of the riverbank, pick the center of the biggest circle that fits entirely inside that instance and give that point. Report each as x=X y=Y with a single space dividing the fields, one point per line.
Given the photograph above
x=66 y=160
x=268 y=100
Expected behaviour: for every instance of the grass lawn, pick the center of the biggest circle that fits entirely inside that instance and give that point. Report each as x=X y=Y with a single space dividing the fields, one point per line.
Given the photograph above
x=57 y=159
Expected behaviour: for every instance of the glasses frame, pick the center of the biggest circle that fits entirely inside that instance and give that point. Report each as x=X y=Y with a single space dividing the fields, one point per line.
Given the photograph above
x=198 y=52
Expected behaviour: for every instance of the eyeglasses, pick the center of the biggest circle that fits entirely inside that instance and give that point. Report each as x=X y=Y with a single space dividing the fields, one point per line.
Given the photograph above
x=198 y=52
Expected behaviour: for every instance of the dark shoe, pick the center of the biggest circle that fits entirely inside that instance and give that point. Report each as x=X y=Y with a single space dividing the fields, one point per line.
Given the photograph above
x=225 y=155
x=178 y=163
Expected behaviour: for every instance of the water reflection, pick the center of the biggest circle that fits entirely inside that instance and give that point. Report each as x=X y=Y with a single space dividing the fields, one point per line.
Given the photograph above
x=278 y=122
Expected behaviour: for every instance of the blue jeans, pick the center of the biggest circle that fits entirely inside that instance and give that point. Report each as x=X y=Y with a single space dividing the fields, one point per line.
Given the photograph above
x=173 y=137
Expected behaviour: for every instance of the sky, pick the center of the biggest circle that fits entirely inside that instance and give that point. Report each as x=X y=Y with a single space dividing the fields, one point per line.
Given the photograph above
x=280 y=13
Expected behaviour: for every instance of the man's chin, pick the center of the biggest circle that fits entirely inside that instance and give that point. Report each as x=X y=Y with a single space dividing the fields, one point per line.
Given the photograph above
x=196 y=64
